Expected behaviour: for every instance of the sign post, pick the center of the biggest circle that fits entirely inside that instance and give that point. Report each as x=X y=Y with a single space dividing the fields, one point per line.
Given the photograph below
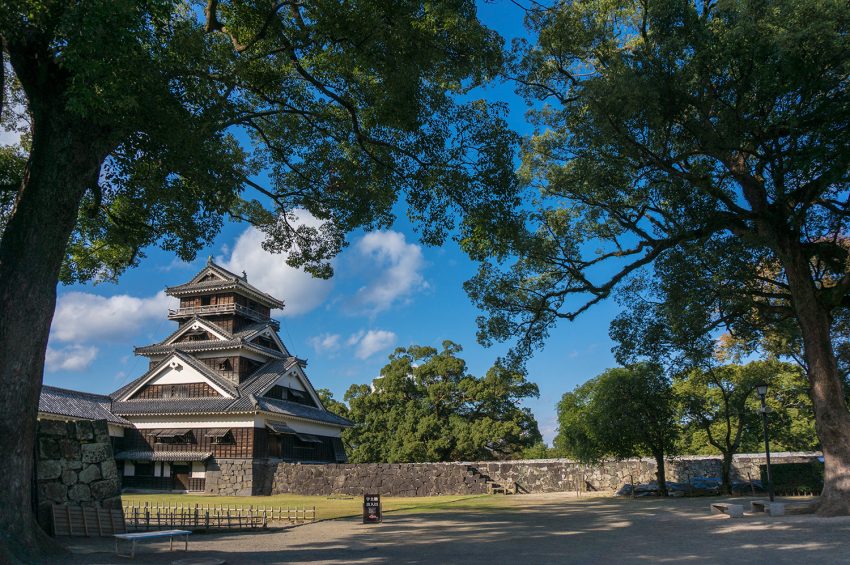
x=372 y=509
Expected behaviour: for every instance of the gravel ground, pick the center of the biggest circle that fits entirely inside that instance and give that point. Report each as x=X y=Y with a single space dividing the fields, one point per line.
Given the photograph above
x=529 y=529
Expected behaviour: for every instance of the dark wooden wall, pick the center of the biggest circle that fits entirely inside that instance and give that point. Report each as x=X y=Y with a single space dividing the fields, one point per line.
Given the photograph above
x=186 y=390
x=243 y=447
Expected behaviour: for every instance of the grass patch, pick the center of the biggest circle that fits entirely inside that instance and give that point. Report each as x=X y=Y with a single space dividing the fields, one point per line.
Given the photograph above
x=326 y=508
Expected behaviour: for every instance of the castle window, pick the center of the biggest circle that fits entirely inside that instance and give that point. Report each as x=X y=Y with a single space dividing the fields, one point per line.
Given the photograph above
x=174 y=437
x=221 y=436
x=225 y=365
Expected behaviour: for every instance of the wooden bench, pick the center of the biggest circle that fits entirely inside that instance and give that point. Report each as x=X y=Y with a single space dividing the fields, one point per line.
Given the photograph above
x=769 y=508
x=134 y=537
x=731 y=510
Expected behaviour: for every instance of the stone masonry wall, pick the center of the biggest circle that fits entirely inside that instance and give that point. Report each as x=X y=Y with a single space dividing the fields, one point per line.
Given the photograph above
x=413 y=479
x=425 y=479
x=237 y=477
x=75 y=465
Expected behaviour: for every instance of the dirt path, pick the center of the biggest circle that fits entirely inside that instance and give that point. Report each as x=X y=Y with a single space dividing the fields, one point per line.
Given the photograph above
x=528 y=530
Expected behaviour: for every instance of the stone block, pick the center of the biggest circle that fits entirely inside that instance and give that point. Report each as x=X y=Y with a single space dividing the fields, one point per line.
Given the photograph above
x=104 y=489
x=79 y=493
x=69 y=477
x=48 y=448
x=776 y=509
x=731 y=510
x=84 y=430
x=96 y=452
x=52 y=428
x=47 y=470
x=90 y=472
x=69 y=449
x=101 y=431
x=54 y=492
x=109 y=470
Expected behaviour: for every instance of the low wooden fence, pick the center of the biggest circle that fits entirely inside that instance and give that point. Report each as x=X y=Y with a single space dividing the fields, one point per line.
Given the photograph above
x=86 y=521
x=156 y=516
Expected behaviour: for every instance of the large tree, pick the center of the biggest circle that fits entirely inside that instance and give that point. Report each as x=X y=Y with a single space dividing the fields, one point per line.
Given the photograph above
x=426 y=407
x=624 y=412
x=695 y=131
x=148 y=120
x=720 y=409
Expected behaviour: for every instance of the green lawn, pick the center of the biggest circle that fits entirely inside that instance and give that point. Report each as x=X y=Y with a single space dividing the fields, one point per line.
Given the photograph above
x=326 y=507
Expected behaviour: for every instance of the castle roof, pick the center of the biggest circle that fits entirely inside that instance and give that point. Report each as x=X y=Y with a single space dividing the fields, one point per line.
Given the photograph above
x=214 y=277
x=78 y=405
x=237 y=340
x=246 y=398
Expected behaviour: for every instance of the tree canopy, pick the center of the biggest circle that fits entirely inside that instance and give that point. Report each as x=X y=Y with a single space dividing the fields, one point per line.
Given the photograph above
x=257 y=110
x=148 y=122
x=707 y=141
x=426 y=407
x=624 y=412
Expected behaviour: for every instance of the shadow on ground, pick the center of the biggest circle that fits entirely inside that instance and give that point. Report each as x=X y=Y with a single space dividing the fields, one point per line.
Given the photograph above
x=520 y=529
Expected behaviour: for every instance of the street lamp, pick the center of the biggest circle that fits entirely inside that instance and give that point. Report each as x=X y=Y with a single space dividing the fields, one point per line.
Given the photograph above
x=761 y=389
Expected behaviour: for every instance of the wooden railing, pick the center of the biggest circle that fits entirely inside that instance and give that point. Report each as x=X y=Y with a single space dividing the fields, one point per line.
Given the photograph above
x=163 y=483
x=185 y=311
x=160 y=516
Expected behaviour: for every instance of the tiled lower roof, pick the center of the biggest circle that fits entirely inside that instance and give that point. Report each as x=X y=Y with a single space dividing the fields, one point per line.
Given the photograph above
x=174 y=406
x=248 y=399
x=146 y=455
x=76 y=404
x=206 y=345
x=288 y=408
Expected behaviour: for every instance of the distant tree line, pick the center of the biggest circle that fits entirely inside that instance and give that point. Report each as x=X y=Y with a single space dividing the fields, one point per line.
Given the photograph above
x=426 y=407
x=640 y=410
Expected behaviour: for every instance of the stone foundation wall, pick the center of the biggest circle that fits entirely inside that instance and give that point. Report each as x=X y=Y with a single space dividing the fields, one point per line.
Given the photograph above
x=75 y=465
x=556 y=475
x=237 y=477
x=415 y=479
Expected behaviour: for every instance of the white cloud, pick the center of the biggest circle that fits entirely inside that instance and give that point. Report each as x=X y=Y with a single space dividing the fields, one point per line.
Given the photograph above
x=397 y=272
x=83 y=317
x=368 y=343
x=300 y=291
x=325 y=342
x=70 y=358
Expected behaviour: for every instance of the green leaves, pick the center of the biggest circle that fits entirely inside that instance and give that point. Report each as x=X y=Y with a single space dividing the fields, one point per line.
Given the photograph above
x=666 y=132
x=624 y=412
x=425 y=407
x=254 y=109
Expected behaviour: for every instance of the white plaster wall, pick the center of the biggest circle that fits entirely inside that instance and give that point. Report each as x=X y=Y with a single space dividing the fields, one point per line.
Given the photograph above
x=129 y=469
x=221 y=421
x=198 y=470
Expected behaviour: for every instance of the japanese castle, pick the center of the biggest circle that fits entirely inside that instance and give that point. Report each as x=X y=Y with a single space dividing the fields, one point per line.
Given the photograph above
x=221 y=393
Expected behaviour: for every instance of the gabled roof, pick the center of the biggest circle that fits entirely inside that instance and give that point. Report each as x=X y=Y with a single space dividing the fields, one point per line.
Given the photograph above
x=127 y=390
x=249 y=399
x=236 y=340
x=207 y=345
x=79 y=405
x=222 y=280
x=197 y=321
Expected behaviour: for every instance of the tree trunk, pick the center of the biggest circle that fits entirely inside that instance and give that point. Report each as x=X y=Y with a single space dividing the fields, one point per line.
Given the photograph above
x=661 y=474
x=832 y=420
x=726 y=473
x=63 y=163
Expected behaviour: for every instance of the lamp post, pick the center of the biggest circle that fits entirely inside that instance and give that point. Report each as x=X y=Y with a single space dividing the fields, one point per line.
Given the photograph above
x=762 y=391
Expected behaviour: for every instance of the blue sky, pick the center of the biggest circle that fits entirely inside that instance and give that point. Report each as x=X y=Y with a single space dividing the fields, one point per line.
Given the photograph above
x=388 y=291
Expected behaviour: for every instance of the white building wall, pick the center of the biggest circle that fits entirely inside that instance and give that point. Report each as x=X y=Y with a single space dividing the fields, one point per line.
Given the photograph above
x=129 y=469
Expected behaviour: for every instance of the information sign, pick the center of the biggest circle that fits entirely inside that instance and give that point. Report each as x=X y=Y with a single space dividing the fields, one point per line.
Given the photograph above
x=372 y=509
